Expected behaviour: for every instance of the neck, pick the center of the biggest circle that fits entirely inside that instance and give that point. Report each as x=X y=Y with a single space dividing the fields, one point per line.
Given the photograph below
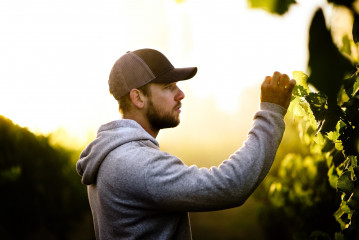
x=140 y=119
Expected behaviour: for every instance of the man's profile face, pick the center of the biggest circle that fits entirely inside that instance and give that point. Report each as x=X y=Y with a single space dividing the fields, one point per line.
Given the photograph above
x=163 y=106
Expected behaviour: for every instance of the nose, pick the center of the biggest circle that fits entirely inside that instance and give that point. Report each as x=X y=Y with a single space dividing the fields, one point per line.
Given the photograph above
x=180 y=95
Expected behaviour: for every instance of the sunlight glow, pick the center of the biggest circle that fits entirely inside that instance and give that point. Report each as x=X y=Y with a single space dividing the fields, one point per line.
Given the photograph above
x=56 y=55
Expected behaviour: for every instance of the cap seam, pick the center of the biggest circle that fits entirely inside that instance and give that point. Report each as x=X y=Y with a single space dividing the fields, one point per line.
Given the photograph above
x=144 y=63
x=125 y=81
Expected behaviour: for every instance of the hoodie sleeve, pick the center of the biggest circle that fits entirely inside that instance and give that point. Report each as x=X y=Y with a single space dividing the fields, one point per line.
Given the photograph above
x=174 y=186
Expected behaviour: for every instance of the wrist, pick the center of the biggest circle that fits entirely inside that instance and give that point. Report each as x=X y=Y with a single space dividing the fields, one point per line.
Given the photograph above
x=273 y=107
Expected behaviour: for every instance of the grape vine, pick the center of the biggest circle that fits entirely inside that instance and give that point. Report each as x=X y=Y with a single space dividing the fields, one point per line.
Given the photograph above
x=338 y=145
x=325 y=106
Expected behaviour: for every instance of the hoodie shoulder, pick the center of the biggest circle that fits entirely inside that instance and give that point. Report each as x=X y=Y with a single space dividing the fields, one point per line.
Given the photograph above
x=109 y=137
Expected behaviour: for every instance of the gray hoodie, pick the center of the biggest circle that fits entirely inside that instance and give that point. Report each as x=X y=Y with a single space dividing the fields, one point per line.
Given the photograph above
x=137 y=191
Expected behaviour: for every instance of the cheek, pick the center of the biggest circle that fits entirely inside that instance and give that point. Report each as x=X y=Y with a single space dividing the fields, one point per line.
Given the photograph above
x=164 y=101
x=158 y=104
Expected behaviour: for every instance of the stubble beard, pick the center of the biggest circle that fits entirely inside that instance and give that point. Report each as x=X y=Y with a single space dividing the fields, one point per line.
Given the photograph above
x=159 y=119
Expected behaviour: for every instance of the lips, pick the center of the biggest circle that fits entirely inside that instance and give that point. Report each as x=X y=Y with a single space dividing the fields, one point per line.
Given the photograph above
x=178 y=107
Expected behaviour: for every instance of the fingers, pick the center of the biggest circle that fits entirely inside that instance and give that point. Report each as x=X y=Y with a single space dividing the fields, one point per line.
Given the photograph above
x=267 y=80
x=276 y=78
x=283 y=80
x=280 y=79
x=291 y=85
x=277 y=89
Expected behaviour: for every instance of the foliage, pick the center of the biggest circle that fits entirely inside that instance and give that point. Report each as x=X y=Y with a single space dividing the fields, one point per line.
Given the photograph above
x=303 y=180
x=273 y=6
x=326 y=108
x=42 y=197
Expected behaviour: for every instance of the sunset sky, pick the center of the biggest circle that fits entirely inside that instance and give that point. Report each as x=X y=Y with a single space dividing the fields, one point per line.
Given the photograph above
x=55 y=56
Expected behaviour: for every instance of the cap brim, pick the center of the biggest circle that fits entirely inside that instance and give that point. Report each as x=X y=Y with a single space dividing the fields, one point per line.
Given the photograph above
x=175 y=75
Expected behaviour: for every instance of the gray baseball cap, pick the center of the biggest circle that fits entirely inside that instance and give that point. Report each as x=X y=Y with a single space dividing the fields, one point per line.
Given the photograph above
x=136 y=69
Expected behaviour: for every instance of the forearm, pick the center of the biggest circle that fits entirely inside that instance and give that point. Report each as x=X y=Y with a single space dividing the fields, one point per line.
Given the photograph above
x=254 y=159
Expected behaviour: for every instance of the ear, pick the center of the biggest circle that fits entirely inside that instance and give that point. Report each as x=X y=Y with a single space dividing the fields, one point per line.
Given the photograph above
x=137 y=98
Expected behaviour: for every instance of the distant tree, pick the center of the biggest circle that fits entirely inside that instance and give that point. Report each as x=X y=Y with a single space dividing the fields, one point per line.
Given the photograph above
x=41 y=195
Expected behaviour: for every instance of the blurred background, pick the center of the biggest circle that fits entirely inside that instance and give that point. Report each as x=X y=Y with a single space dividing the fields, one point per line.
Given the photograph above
x=55 y=58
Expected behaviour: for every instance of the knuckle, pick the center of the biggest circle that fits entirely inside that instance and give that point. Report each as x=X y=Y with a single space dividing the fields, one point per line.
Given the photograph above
x=286 y=77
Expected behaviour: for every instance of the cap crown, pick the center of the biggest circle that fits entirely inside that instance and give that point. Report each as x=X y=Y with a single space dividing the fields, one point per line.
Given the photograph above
x=135 y=69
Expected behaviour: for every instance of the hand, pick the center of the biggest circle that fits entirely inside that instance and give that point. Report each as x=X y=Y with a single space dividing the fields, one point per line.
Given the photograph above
x=277 y=89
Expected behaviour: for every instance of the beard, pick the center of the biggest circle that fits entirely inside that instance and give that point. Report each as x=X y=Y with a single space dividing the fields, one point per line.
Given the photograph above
x=160 y=119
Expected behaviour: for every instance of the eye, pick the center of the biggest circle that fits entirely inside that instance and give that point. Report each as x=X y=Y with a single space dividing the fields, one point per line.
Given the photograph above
x=170 y=87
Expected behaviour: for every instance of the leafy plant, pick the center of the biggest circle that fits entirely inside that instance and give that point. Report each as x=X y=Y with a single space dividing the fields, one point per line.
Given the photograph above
x=326 y=108
x=42 y=197
x=338 y=147
x=273 y=6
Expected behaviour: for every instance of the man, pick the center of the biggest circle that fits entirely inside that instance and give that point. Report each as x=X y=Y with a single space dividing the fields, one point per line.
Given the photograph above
x=137 y=191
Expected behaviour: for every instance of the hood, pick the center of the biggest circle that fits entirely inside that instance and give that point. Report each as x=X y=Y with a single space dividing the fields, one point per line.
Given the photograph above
x=109 y=137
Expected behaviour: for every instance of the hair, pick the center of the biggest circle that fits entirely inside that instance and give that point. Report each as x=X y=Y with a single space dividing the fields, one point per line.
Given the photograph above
x=124 y=102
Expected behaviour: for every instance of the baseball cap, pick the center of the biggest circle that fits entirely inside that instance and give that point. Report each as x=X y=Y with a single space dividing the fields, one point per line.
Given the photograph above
x=137 y=68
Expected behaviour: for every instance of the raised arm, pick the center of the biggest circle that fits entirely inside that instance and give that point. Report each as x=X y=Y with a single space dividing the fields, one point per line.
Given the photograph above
x=175 y=186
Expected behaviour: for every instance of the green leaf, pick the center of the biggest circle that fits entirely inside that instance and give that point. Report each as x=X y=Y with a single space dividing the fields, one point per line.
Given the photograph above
x=297 y=107
x=333 y=135
x=317 y=103
x=333 y=177
x=326 y=114
x=319 y=139
x=351 y=85
x=353 y=161
x=351 y=114
x=345 y=184
x=343 y=215
x=350 y=140
x=355 y=87
x=353 y=201
x=273 y=6
x=301 y=79
x=350 y=164
x=338 y=160
x=301 y=108
x=346 y=48
x=342 y=97
x=331 y=118
x=299 y=91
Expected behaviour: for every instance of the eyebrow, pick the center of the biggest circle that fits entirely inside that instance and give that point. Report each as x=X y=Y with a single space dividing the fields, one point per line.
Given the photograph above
x=168 y=84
